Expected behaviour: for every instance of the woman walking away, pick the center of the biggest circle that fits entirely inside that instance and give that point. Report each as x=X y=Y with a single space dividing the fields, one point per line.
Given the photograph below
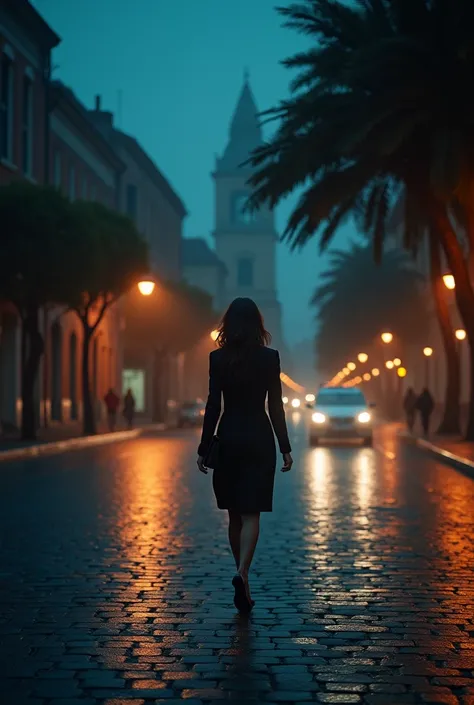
x=409 y=406
x=245 y=371
x=129 y=408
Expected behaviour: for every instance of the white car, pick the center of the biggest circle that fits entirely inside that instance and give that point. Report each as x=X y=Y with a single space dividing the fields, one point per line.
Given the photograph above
x=191 y=413
x=341 y=412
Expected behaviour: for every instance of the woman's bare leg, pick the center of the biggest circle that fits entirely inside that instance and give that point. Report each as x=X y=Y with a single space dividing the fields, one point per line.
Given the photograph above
x=248 y=543
x=235 y=527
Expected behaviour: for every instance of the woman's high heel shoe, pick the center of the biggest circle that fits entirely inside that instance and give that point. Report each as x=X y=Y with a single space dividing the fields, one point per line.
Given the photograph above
x=241 y=601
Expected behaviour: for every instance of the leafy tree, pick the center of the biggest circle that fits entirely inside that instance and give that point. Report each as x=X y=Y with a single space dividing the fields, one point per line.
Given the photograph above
x=357 y=299
x=108 y=257
x=380 y=103
x=171 y=320
x=35 y=238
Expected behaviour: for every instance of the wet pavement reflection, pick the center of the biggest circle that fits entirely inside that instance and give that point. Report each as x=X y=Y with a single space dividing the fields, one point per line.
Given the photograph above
x=115 y=579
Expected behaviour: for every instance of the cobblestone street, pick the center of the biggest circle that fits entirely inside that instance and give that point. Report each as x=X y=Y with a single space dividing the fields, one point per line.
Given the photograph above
x=116 y=580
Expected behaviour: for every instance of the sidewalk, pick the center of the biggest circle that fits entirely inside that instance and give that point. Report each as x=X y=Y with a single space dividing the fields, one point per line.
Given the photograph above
x=452 y=450
x=60 y=437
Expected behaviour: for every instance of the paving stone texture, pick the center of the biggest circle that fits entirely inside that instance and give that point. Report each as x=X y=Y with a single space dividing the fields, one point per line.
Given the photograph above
x=115 y=580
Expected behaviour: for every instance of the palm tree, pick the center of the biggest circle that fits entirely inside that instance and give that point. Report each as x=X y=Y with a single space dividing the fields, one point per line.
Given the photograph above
x=380 y=103
x=450 y=422
x=357 y=299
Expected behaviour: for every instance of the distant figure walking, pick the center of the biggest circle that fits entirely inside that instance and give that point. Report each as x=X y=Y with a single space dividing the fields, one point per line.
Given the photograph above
x=129 y=408
x=244 y=371
x=425 y=405
x=409 y=406
x=112 y=403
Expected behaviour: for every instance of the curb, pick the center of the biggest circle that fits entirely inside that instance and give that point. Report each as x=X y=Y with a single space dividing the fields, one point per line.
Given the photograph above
x=69 y=444
x=456 y=461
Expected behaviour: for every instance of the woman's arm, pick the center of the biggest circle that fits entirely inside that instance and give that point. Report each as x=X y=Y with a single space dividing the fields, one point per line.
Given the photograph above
x=275 y=407
x=213 y=407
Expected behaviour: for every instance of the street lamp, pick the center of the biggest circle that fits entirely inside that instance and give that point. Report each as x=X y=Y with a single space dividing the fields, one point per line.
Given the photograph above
x=362 y=357
x=387 y=338
x=460 y=334
x=449 y=281
x=146 y=286
x=397 y=362
x=389 y=365
x=346 y=371
x=427 y=352
x=367 y=377
x=351 y=366
x=401 y=372
x=375 y=372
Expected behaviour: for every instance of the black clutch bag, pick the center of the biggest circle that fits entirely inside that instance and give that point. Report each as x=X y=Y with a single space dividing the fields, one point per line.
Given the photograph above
x=212 y=456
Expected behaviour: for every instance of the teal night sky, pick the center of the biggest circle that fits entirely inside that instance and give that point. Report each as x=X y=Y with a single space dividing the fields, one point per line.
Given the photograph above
x=178 y=66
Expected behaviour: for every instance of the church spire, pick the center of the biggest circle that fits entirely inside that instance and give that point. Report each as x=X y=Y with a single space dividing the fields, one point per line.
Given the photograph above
x=245 y=132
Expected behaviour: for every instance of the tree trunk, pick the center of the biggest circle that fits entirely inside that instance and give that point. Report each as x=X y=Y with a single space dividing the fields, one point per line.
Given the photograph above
x=450 y=422
x=32 y=349
x=88 y=416
x=463 y=291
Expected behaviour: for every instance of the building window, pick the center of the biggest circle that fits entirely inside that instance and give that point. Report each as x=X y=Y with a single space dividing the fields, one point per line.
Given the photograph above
x=27 y=126
x=6 y=108
x=245 y=271
x=239 y=212
x=57 y=169
x=132 y=201
x=72 y=183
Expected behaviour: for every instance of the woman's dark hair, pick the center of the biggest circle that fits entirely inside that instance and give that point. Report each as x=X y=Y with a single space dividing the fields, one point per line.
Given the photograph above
x=242 y=329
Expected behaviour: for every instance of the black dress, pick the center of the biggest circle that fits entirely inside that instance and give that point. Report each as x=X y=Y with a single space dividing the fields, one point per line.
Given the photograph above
x=243 y=480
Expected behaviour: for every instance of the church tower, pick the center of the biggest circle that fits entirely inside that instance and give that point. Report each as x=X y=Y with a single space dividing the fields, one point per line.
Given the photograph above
x=245 y=242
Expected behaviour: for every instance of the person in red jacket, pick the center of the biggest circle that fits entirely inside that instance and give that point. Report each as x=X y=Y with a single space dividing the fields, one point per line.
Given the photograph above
x=112 y=402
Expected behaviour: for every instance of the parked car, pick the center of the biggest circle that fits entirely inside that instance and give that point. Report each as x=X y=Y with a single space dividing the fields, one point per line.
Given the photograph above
x=191 y=413
x=341 y=412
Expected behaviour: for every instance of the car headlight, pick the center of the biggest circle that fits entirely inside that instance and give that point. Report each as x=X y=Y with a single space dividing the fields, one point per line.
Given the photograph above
x=364 y=417
x=319 y=418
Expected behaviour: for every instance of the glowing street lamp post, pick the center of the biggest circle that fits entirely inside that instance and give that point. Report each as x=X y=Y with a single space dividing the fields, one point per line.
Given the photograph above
x=449 y=281
x=428 y=353
x=146 y=287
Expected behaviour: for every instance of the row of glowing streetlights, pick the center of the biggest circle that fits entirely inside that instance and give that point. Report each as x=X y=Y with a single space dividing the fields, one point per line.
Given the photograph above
x=386 y=338
x=351 y=366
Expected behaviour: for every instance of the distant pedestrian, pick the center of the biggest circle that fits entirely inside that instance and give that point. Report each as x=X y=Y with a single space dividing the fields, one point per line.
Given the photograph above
x=425 y=405
x=409 y=407
x=129 y=408
x=112 y=403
